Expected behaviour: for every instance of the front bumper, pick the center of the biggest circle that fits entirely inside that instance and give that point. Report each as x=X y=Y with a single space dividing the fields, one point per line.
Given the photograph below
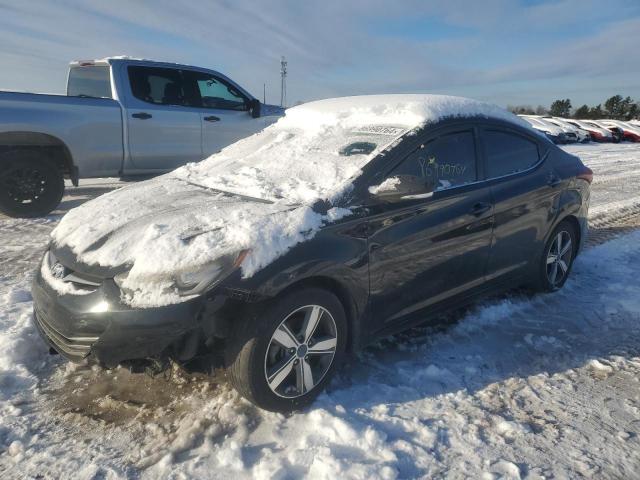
x=120 y=334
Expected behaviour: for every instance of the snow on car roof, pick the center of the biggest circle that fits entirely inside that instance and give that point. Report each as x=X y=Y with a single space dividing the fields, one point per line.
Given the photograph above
x=410 y=110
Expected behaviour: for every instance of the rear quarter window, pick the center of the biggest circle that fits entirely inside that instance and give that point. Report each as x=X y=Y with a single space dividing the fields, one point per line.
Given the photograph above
x=508 y=153
x=89 y=81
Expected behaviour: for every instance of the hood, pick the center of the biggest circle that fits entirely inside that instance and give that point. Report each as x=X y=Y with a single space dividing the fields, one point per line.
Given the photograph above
x=166 y=224
x=160 y=227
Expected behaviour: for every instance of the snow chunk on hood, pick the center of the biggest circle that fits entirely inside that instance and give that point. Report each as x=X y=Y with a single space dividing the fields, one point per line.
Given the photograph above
x=256 y=194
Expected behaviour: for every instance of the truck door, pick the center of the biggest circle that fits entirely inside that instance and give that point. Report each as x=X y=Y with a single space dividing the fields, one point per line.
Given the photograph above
x=164 y=130
x=224 y=110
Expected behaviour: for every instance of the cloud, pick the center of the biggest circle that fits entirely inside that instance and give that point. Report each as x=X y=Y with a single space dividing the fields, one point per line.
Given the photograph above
x=333 y=47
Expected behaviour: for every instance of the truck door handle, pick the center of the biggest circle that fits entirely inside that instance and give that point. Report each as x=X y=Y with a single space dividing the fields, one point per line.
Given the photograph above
x=480 y=208
x=211 y=118
x=142 y=115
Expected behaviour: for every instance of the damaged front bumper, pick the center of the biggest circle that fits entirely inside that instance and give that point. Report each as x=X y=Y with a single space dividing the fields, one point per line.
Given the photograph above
x=97 y=327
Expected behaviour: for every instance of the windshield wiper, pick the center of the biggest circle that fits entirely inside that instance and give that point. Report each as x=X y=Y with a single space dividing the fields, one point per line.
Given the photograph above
x=229 y=194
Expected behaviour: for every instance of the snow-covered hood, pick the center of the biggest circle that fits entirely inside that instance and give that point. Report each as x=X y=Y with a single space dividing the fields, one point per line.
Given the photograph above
x=162 y=226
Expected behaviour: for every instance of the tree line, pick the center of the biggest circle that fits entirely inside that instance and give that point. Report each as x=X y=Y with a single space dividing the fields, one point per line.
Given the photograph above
x=616 y=107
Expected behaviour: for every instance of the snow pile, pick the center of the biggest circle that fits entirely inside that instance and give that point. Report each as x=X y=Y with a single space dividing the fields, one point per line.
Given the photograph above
x=255 y=194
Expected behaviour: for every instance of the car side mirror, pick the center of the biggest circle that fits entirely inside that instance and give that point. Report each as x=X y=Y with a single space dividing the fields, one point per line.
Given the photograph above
x=400 y=187
x=254 y=108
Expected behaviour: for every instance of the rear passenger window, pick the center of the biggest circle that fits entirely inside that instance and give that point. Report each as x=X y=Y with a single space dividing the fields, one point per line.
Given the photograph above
x=508 y=153
x=162 y=86
x=447 y=161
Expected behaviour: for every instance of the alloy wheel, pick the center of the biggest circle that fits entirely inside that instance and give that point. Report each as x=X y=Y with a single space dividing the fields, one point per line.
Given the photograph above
x=301 y=351
x=559 y=258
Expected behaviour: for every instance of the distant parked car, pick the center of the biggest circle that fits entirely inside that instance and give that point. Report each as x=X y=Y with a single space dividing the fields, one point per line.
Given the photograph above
x=120 y=117
x=617 y=132
x=582 y=135
x=569 y=130
x=631 y=133
x=348 y=220
x=552 y=131
x=598 y=134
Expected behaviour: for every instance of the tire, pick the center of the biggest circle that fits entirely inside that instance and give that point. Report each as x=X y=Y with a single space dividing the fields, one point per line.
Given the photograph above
x=30 y=186
x=550 y=262
x=256 y=359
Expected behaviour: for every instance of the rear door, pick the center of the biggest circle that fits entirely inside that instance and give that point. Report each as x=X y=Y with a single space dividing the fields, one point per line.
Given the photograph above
x=525 y=189
x=164 y=129
x=223 y=110
x=425 y=250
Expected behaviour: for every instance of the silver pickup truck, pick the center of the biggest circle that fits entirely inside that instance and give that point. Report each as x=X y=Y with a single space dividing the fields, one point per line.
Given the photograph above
x=120 y=118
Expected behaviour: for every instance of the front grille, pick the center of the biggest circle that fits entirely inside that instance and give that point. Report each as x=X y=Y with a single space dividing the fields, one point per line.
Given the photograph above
x=77 y=279
x=75 y=348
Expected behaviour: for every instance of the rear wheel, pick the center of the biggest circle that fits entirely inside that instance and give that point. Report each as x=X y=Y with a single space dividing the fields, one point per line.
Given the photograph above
x=289 y=352
x=557 y=259
x=30 y=186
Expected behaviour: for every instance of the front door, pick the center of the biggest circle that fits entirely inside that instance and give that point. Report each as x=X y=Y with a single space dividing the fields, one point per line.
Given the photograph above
x=425 y=249
x=224 y=111
x=164 y=128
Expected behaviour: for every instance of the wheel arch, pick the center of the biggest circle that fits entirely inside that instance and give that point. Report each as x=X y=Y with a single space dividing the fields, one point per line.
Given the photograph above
x=341 y=291
x=53 y=147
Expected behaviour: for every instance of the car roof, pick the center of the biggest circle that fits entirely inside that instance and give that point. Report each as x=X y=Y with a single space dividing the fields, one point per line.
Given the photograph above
x=406 y=110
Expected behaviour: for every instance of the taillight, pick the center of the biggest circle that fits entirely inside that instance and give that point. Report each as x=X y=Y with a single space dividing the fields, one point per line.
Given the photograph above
x=585 y=174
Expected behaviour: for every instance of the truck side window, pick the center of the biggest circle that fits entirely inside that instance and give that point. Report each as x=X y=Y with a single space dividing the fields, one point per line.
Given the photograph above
x=208 y=91
x=89 y=81
x=161 y=86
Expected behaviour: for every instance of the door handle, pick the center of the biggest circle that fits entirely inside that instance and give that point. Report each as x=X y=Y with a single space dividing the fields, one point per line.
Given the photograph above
x=480 y=208
x=553 y=180
x=211 y=118
x=142 y=115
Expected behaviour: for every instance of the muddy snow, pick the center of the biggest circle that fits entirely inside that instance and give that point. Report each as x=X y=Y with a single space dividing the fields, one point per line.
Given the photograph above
x=520 y=386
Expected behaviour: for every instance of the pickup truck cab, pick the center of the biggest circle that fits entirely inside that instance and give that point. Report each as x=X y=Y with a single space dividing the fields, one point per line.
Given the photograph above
x=121 y=117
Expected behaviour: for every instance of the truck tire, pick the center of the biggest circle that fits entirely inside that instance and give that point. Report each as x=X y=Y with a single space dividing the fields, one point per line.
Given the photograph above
x=30 y=186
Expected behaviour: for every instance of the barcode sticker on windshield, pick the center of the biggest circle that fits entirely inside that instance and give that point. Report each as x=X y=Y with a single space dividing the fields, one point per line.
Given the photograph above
x=380 y=130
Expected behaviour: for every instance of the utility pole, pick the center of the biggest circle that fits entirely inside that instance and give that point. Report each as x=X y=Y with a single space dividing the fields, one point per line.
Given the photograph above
x=283 y=84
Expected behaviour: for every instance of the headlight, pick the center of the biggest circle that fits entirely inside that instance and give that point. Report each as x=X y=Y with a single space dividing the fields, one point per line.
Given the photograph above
x=191 y=282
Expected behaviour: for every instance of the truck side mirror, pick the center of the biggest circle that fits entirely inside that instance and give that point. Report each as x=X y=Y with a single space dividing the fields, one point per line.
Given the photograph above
x=254 y=108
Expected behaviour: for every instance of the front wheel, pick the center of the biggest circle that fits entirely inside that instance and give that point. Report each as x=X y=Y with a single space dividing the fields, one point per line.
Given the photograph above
x=557 y=258
x=30 y=186
x=289 y=352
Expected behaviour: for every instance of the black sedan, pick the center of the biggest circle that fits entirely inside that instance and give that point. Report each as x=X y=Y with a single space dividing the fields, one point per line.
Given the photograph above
x=456 y=203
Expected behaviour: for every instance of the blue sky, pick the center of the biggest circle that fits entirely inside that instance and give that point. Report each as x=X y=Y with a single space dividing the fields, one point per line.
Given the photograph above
x=503 y=51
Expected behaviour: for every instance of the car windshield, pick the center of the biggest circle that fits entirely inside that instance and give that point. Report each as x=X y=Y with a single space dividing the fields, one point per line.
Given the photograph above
x=293 y=165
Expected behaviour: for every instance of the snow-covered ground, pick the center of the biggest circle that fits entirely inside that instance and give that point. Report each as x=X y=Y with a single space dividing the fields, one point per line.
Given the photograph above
x=518 y=387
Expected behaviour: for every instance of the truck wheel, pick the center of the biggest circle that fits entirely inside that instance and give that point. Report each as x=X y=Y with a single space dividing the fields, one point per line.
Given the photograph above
x=30 y=186
x=285 y=356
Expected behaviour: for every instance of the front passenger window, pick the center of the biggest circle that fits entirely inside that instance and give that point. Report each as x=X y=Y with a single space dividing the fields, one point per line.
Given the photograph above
x=213 y=92
x=445 y=162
